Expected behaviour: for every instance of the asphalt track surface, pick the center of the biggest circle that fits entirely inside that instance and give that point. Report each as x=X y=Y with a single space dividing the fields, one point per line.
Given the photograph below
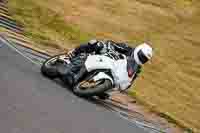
x=31 y=103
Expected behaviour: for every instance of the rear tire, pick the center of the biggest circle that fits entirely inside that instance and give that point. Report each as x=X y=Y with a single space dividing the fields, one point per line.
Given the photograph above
x=104 y=85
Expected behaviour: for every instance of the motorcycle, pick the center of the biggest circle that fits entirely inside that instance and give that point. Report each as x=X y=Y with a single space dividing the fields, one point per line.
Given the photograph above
x=106 y=72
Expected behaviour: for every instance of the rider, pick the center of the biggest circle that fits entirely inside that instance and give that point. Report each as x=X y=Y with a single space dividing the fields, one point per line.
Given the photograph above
x=138 y=55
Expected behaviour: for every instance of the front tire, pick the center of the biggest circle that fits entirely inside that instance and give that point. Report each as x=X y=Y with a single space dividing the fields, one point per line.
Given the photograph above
x=89 y=90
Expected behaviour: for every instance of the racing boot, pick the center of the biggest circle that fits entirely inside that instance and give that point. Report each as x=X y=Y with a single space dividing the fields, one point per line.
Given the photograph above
x=65 y=74
x=68 y=79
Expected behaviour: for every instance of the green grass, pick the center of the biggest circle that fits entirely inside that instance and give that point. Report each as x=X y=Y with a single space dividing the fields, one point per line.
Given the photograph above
x=166 y=115
x=170 y=83
x=44 y=25
x=2 y=29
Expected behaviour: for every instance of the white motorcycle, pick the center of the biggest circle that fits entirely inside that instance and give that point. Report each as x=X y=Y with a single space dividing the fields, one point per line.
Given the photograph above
x=106 y=72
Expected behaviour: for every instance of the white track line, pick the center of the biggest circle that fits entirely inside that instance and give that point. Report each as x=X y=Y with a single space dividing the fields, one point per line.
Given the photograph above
x=9 y=44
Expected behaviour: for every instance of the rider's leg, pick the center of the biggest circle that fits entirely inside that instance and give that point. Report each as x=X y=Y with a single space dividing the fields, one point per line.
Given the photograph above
x=74 y=71
x=80 y=73
x=79 y=68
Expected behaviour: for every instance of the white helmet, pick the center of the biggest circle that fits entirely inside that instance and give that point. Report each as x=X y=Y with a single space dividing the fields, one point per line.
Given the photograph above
x=143 y=53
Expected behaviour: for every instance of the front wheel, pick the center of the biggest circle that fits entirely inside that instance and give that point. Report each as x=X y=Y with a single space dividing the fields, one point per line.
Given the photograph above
x=92 y=88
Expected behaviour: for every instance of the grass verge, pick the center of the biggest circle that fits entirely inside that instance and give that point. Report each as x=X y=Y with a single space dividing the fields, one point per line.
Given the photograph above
x=166 y=115
x=44 y=25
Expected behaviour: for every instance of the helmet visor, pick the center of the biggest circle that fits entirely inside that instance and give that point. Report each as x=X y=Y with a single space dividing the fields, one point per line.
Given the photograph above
x=143 y=59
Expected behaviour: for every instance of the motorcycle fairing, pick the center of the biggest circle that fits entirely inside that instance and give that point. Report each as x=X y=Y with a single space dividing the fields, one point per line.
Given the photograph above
x=118 y=69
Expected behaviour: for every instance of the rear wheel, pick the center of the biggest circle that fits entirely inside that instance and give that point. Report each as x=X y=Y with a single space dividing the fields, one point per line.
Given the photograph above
x=92 y=88
x=49 y=67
